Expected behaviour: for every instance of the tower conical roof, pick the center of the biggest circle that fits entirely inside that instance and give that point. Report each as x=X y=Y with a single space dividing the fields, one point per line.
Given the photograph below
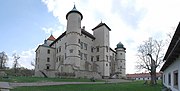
x=74 y=10
x=120 y=45
x=51 y=38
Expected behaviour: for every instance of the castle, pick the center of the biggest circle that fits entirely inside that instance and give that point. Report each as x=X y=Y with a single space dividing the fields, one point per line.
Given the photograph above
x=77 y=53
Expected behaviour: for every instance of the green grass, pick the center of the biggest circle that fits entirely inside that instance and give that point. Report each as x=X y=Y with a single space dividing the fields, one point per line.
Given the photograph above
x=40 y=79
x=131 y=86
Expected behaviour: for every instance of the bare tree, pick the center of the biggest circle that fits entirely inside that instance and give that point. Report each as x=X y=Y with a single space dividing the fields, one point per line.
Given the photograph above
x=150 y=55
x=15 y=64
x=3 y=60
x=32 y=64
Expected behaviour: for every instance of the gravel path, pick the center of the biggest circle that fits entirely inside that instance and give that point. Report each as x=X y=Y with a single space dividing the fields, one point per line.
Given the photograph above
x=64 y=83
x=50 y=83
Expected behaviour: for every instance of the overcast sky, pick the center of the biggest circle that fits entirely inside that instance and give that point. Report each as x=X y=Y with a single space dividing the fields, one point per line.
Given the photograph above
x=26 y=23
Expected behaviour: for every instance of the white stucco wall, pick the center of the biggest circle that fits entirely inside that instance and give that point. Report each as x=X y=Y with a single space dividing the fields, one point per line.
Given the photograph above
x=121 y=62
x=41 y=58
x=173 y=67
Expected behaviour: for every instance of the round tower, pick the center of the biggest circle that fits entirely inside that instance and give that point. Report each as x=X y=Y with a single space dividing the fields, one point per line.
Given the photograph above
x=74 y=18
x=121 y=60
x=73 y=33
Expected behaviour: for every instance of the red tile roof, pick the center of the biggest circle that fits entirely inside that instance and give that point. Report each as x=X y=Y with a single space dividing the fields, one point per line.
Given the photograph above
x=51 y=38
x=141 y=75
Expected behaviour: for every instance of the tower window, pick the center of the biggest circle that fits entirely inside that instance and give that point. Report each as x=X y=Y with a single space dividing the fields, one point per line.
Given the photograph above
x=85 y=46
x=65 y=55
x=85 y=56
x=48 y=59
x=71 y=50
x=79 y=41
x=97 y=57
x=107 y=48
x=97 y=49
x=57 y=59
x=81 y=45
x=48 y=51
x=106 y=64
x=65 y=45
x=91 y=49
x=92 y=58
x=59 y=48
x=107 y=57
x=47 y=67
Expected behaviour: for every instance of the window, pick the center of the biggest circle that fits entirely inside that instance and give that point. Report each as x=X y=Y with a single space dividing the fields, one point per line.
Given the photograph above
x=79 y=41
x=91 y=49
x=47 y=67
x=169 y=78
x=120 y=53
x=107 y=48
x=175 y=78
x=71 y=50
x=97 y=49
x=48 y=51
x=65 y=45
x=92 y=57
x=79 y=52
x=81 y=45
x=65 y=55
x=85 y=56
x=164 y=78
x=48 y=59
x=59 y=48
x=59 y=58
x=107 y=57
x=85 y=46
x=81 y=55
x=97 y=57
x=106 y=64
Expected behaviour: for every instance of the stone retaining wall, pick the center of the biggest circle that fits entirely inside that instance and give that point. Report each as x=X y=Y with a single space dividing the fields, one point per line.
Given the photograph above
x=87 y=74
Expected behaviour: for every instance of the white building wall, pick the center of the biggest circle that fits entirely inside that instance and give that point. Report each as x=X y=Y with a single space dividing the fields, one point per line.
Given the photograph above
x=41 y=58
x=60 y=53
x=73 y=33
x=173 y=67
x=86 y=51
x=121 y=66
x=112 y=59
x=102 y=42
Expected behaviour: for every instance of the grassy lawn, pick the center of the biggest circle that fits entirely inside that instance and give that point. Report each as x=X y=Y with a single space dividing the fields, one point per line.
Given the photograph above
x=133 y=86
x=40 y=79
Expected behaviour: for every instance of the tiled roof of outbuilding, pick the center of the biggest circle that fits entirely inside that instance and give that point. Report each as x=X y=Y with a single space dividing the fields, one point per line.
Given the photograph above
x=173 y=50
